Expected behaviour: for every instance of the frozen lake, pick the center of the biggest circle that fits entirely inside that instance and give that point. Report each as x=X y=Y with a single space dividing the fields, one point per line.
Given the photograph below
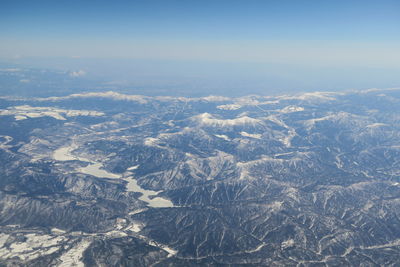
x=97 y=169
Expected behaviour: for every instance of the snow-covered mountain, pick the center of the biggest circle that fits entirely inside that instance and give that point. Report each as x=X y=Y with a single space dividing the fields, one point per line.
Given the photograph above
x=108 y=179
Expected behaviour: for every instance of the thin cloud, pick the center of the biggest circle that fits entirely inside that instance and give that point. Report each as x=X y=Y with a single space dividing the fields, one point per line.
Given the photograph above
x=78 y=73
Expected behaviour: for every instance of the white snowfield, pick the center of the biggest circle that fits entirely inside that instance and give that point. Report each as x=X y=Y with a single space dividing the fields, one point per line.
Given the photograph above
x=34 y=246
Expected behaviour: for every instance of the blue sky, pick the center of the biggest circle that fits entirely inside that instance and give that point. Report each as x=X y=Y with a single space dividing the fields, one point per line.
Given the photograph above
x=218 y=19
x=305 y=33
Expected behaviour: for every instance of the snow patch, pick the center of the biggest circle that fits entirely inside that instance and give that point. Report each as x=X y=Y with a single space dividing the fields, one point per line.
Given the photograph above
x=375 y=125
x=133 y=168
x=229 y=107
x=223 y=137
x=150 y=141
x=313 y=96
x=134 y=227
x=3 y=239
x=74 y=255
x=209 y=120
x=57 y=231
x=213 y=98
x=288 y=243
x=256 y=136
x=291 y=109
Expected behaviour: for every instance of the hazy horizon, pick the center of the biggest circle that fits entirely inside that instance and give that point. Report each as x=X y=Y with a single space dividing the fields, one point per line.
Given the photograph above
x=268 y=47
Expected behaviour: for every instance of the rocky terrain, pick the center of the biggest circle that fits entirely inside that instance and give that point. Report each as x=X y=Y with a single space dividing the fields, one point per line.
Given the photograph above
x=108 y=179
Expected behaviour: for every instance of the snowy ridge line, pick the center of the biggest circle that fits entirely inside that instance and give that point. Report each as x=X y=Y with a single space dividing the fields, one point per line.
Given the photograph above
x=236 y=101
x=25 y=111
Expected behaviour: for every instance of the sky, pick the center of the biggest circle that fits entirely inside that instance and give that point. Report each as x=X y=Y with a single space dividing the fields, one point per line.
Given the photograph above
x=302 y=42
